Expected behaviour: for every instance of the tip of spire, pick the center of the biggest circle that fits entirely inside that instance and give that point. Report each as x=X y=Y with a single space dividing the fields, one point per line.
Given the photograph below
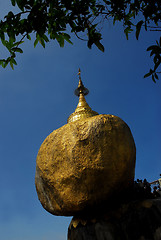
x=81 y=89
x=79 y=73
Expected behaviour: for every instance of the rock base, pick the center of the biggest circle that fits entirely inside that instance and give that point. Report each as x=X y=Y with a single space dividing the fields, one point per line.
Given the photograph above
x=137 y=220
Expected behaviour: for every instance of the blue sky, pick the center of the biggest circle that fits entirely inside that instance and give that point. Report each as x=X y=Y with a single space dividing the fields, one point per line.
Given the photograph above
x=37 y=98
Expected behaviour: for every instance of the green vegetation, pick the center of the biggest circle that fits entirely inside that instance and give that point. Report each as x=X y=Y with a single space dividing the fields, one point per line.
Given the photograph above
x=54 y=19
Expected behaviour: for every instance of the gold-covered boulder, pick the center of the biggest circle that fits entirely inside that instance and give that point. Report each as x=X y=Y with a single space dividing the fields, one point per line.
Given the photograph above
x=85 y=162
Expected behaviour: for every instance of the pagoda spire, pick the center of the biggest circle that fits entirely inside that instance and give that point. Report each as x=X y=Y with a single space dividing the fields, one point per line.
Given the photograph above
x=83 y=110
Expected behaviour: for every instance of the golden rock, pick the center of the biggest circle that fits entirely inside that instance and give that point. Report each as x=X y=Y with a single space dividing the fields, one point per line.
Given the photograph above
x=84 y=163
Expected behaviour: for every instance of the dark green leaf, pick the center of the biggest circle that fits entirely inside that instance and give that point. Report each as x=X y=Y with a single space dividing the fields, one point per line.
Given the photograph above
x=153 y=78
x=60 y=39
x=138 y=28
x=45 y=38
x=146 y=26
x=28 y=37
x=16 y=49
x=36 y=42
x=100 y=46
x=157 y=65
x=89 y=44
x=147 y=75
x=2 y=61
x=14 y=61
x=4 y=42
x=7 y=44
x=5 y=64
x=2 y=36
x=41 y=41
x=153 y=47
x=13 y=2
x=11 y=64
x=157 y=57
x=67 y=38
x=156 y=76
x=152 y=52
x=127 y=31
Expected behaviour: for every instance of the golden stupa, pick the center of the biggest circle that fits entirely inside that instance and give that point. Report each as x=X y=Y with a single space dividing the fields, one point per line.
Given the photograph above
x=83 y=164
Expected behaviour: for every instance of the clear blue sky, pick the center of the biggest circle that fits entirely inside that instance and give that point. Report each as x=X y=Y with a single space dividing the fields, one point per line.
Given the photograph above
x=37 y=97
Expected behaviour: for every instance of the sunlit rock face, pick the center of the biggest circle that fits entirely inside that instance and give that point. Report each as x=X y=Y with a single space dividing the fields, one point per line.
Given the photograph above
x=84 y=163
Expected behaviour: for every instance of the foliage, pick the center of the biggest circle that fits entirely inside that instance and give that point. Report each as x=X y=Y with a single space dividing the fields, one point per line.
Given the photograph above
x=140 y=190
x=156 y=51
x=53 y=19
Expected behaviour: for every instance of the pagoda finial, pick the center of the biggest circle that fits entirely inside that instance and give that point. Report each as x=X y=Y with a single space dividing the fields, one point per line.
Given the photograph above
x=81 y=89
x=79 y=73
